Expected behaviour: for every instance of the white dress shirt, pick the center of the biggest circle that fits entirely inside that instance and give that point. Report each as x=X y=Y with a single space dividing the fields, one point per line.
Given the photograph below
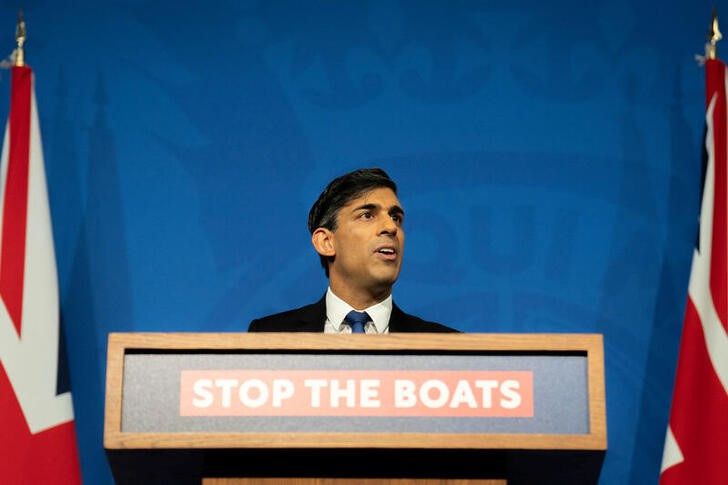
x=337 y=309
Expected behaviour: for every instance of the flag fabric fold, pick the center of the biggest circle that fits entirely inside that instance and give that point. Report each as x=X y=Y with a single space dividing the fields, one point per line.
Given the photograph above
x=696 y=446
x=37 y=431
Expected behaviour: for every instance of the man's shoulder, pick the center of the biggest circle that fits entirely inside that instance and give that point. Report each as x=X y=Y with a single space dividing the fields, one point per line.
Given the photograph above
x=306 y=318
x=404 y=322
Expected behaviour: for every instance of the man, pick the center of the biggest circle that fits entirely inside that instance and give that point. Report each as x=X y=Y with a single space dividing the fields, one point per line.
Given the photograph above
x=357 y=229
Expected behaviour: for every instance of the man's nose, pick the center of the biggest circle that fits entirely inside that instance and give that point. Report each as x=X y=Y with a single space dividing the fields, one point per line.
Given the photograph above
x=388 y=227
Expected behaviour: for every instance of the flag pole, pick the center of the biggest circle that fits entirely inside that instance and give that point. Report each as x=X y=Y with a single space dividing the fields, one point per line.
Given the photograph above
x=714 y=36
x=20 y=39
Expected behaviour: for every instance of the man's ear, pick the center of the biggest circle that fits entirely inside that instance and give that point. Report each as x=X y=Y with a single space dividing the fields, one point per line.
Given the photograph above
x=323 y=242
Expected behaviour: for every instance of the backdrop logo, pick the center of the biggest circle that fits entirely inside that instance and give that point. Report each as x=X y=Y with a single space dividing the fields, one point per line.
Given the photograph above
x=356 y=393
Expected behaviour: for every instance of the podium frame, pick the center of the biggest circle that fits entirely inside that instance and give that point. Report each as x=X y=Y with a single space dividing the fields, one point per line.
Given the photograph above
x=119 y=443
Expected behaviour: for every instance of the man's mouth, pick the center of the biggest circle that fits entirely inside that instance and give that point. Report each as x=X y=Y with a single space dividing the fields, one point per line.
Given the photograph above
x=387 y=252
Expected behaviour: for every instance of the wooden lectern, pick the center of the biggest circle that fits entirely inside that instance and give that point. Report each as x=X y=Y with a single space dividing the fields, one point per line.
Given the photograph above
x=322 y=409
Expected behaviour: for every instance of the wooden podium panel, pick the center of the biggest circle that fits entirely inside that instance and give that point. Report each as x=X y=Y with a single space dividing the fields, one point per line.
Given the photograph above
x=147 y=433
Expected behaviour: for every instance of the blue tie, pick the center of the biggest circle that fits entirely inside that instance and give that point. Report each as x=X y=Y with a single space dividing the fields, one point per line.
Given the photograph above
x=357 y=320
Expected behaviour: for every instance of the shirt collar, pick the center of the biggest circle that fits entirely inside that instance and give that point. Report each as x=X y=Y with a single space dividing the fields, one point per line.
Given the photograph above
x=337 y=309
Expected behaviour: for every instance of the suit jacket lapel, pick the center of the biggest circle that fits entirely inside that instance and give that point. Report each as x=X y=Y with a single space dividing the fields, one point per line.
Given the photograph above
x=313 y=317
x=398 y=320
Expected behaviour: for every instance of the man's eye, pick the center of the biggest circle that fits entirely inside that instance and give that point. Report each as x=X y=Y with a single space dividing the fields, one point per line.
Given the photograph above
x=397 y=218
x=366 y=215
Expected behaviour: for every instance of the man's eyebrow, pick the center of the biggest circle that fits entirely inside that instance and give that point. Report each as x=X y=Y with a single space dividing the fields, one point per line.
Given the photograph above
x=395 y=209
x=369 y=207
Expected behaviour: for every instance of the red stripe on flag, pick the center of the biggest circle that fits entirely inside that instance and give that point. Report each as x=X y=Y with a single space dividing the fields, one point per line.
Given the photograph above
x=698 y=419
x=48 y=457
x=12 y=257
x=715 y=85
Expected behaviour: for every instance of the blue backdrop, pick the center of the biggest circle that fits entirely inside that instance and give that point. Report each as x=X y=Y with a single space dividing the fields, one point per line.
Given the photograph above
x=548 y=156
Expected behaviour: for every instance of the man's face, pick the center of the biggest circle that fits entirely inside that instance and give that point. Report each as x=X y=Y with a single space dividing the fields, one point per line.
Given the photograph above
x=368 y=242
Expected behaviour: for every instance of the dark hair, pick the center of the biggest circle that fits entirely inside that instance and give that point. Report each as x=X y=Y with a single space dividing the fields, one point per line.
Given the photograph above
x=340 y=192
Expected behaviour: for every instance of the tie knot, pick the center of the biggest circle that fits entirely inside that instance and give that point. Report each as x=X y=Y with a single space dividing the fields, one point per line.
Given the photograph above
x=357 y=320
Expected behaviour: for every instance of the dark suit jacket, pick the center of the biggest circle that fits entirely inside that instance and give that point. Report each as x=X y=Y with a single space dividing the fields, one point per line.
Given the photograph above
x=312 y=318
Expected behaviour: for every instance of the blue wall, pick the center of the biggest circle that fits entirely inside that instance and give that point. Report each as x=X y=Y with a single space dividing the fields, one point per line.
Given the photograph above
x=548 y=155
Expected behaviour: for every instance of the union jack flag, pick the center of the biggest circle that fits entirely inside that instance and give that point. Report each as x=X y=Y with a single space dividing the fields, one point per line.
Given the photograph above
x=696 y=447
x=37 y=432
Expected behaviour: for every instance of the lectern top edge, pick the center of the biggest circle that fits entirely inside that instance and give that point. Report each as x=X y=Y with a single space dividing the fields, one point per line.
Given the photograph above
x=556 y=342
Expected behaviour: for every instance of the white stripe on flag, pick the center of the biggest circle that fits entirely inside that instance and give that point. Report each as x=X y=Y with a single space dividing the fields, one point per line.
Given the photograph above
x=4 y=176
x=672 y=455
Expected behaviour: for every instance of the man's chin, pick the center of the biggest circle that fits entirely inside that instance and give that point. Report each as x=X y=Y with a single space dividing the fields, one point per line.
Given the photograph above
x=385 y=280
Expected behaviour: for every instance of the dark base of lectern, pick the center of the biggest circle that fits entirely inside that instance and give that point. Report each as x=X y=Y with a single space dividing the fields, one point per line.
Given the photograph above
x=515 y=466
